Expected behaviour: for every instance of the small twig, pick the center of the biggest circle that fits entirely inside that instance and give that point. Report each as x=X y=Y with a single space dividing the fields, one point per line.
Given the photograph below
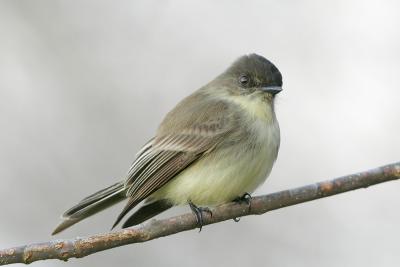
x=81 y=247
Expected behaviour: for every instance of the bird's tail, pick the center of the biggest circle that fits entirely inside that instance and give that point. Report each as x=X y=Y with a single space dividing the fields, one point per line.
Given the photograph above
x=91 y=205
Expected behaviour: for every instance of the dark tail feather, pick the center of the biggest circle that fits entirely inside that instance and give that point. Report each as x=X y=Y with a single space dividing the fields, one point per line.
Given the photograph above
x=92 y=205
x=146 y=212
x=130 y=205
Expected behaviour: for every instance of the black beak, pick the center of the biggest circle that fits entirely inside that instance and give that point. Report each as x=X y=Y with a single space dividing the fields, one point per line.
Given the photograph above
x=272 y=89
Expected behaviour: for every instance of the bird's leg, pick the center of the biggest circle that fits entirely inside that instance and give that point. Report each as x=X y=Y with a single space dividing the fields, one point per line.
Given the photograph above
x=198 y=211
x=245 y=198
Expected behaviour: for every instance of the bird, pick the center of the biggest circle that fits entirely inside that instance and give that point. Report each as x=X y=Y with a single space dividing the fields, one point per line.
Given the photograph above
x=215 y=146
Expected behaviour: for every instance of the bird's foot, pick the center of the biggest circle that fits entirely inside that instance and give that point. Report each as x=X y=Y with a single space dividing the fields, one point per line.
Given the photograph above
x=198 y=211
x=245 y=198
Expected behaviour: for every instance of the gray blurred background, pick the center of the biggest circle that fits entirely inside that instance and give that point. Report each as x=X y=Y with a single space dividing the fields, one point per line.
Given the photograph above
x=83 y=84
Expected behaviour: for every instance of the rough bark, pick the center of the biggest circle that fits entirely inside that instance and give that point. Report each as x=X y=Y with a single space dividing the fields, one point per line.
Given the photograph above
x=81 y=247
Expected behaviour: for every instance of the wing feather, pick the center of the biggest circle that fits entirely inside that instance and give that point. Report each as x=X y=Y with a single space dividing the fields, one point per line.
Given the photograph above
x=175 y=148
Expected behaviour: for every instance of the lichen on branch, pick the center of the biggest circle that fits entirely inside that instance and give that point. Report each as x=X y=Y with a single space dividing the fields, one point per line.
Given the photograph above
x=81 y=247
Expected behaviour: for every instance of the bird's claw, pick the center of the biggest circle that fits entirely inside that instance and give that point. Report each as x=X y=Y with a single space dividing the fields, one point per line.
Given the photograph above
x=198 y=211
x=245 y=198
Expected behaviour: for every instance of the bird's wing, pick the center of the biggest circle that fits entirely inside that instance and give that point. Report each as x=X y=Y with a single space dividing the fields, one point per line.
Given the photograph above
x=175 y=148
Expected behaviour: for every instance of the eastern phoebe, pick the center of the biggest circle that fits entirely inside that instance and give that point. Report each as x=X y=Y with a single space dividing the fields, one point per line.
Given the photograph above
x=216 y=145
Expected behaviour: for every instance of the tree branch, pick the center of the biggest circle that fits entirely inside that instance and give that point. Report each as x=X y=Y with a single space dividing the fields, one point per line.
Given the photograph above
x=81 y=247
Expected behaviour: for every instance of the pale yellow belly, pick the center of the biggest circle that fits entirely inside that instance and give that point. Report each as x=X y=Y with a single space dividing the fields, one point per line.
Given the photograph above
x=221 y=176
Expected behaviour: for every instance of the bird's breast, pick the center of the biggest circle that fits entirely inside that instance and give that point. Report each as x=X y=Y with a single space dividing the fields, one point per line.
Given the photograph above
x=229 y=171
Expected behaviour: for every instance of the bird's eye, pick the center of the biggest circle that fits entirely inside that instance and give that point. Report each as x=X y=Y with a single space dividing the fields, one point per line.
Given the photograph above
x=244 y=80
